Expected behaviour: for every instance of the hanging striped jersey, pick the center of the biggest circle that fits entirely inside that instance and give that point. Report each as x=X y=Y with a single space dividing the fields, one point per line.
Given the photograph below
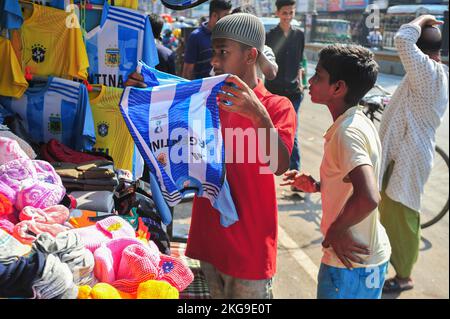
x=49 y=47
x=112 y=135
x=177 y=130
x=123 y=37
x=58 y=109
x=154 y=77
x=62 y=4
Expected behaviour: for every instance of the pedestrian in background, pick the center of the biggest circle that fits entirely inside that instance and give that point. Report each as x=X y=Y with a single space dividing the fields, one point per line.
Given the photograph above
x=166 y=56
x=375 y=39
x=169 y=40
x=288 y=43
x=197 y=57
x=407 y=131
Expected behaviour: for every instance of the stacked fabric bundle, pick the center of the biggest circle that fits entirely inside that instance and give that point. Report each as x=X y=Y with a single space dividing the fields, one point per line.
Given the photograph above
x=55 y=151
x=88 y=176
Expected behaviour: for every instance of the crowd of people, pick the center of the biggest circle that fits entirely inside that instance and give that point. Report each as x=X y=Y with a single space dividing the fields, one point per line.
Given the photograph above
x=364 y=174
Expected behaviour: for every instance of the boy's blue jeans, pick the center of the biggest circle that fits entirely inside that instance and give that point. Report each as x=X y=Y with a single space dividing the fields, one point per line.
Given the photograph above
x=359 y=283
x=295 y=156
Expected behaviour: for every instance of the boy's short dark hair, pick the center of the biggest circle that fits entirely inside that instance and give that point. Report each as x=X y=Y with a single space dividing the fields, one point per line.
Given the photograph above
x=353 y=64
x=283 y=3
x=245 y=9
x=219 y=5
x=429 y=42
x=157 y=24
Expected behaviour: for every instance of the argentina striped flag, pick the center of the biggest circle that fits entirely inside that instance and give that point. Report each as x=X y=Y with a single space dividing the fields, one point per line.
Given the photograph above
x=177 y=130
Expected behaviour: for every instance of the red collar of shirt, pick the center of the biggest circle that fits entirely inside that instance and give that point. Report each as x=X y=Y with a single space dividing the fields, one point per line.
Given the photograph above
x=260 y=90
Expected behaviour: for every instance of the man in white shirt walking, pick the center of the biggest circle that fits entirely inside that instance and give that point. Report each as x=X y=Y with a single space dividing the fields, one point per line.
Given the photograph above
x=407 y=134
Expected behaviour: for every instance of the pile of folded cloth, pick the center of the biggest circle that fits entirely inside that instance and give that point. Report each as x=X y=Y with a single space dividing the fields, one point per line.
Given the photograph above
x=55 y=151
x=87 y=244
x=89 y=176
x=78 y=170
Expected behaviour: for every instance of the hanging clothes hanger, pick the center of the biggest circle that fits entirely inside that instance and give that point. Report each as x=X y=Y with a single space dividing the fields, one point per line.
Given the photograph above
x=96 y=88
x=30 y=77
x=92 y=88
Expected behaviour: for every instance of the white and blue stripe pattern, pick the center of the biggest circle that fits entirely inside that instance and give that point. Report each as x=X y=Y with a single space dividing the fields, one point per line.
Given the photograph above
x=177 y=130
x=58 y=110
x=126 y=17
x=153 y=77
x=69 y=89
x=114 y=48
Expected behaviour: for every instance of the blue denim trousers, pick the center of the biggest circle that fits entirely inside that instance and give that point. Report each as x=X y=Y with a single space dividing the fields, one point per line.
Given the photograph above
x=296 y=100
x=359 y=283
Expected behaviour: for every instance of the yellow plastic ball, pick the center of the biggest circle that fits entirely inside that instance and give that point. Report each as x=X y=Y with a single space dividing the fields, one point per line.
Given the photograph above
x=84 y=292
x=154 y=289
x=104 y=291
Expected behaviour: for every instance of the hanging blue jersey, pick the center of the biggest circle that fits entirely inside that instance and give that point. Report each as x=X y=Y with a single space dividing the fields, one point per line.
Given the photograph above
x=177 y=130
x=10 y=14
x=58 y=109
x=114 y=48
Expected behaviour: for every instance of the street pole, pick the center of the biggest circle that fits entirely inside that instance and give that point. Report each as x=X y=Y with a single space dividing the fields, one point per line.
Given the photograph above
x=310 y=21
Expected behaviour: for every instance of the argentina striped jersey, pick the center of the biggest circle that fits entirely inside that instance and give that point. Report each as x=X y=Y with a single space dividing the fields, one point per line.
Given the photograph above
x=123 y=37
x=177 y=130
x=58 y=109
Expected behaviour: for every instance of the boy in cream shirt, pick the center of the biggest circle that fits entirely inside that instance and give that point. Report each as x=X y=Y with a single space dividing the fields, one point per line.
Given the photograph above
x=356 y=249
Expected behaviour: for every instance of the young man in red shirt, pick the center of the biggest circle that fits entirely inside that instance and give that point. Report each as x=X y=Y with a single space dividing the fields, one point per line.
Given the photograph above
x=239 y=261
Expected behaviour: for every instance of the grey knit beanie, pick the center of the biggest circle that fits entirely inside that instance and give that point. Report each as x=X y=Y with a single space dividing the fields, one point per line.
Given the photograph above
x=241 y=27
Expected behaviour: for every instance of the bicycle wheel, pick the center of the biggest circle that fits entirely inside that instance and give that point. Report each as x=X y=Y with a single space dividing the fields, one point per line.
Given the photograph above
x=435 y=200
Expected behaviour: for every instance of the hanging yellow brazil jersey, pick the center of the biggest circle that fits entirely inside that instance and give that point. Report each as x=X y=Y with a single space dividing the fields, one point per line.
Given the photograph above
x=52 y=43
x=112 y=135
x=132 y=4
x=12 y=79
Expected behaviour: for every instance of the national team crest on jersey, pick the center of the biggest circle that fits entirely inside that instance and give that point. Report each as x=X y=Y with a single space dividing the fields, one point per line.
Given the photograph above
x=158 y=128
x=102 y=129
x=38 y=53
x=112 y=57
x=55 y=124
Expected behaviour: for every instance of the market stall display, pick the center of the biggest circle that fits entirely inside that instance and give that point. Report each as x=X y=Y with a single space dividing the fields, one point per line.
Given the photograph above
x=76 y=221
